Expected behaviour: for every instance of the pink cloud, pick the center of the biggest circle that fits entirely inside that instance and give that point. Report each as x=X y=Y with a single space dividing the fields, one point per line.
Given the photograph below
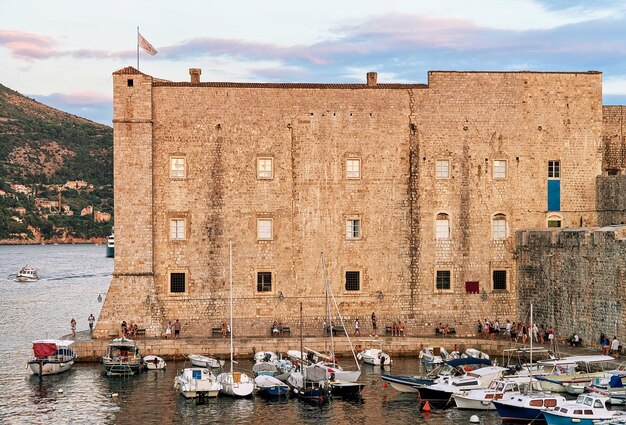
x=27 y=46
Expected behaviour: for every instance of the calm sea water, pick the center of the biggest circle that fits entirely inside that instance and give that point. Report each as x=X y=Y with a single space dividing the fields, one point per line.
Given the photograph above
x=72 y=277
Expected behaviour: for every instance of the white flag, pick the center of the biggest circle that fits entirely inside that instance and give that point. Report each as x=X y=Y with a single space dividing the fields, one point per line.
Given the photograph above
x=145 y=45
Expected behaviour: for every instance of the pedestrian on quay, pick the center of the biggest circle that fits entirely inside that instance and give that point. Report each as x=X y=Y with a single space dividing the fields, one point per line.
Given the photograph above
x=168 y=330
x=176 y=329
x=605 y=346
x=374 y=325
x=91 y=320
x=551 y=337
x=73 y=326
x=357 y=331
x=615 y=347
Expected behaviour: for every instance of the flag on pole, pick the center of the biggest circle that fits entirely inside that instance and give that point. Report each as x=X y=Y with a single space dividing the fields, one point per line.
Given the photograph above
x=146 y=45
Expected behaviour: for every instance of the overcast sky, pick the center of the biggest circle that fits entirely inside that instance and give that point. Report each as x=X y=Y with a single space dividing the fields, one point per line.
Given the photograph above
x=62 y=52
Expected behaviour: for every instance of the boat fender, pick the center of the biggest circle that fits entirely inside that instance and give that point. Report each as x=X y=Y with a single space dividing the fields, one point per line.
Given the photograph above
x=205 y=371
x=474 y=419
x=359 y=356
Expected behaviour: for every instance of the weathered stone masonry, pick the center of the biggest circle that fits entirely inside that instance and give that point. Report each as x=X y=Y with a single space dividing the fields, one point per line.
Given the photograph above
x=398 y=132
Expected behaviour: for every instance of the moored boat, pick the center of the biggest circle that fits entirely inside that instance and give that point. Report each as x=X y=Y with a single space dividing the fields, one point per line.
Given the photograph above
x=270 y=386
x=111 y=245
x=27 y=274
x=526 y=408
x=578 y=370
x=205 y=361
x=153 y=362
x=310 y=384
x=375 y=356
x=122 y=357
x=52 y=356
x=588 y=409
x=197 y=382
x=481 y=399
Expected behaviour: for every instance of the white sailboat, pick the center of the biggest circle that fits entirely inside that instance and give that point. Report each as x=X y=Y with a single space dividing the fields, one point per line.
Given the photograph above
x=234 y=384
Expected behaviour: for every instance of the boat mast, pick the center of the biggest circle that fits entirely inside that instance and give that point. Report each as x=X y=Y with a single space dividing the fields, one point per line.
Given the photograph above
x=532 y=327
x=301 y=343
x=230 y=248
x=328 y=318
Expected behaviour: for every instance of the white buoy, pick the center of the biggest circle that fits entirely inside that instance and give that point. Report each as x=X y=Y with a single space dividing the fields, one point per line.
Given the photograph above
x=114 y=395
x=474 y=419
x=60 y=390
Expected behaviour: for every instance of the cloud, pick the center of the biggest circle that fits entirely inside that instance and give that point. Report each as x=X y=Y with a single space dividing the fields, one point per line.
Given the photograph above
x=97 y=107
x=27 y=46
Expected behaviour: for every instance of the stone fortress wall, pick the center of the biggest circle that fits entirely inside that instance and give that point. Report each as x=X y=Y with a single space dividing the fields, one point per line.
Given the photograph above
x=399 y=134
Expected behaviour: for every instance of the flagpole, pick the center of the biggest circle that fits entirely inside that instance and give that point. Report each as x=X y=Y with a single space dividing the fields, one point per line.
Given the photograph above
x=137 y=48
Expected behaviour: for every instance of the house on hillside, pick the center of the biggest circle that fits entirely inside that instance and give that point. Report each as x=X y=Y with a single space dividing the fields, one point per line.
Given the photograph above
x=45 y=203
x=102 y=217
x=88 y=210
x=2 y=192
x=76 y=184
x=67 y=210
x=20 y=210
x=20 y=188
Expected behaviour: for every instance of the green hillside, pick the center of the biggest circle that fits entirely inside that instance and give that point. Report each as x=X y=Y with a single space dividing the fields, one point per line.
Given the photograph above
x=42 y=148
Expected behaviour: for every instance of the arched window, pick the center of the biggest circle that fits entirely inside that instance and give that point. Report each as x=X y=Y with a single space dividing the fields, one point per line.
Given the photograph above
x=498 y=227
x=554 y=220
x=442 y=227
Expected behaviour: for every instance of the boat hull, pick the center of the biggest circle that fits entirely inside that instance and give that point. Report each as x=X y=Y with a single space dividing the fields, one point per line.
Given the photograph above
x=345 y=389
x=463 y=402
x=523 y=414
x=406 y=384
x=552 y=419
x=110 y=253
x=436 y=398
x=121 y=369
x=50 y=368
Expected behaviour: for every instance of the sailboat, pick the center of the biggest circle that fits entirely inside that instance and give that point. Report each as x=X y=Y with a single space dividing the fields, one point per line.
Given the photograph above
x=342 y=383
x=234 y=384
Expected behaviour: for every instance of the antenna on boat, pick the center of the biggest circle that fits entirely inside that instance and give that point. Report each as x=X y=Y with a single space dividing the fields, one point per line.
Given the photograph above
x=230 y=248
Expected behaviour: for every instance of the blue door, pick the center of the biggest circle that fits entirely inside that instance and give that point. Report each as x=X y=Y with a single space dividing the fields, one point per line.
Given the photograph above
x=554 y=195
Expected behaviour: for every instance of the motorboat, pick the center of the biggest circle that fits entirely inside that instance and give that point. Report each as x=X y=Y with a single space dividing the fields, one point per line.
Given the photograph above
x=588 y=409
x=122 y=357
x=205 y=361
x=406 y=383
x=27 y=274
x=526 y=408
x=270 y=386
x=611 y=386
x=432 y=357
x=474 y=353
x=336 y=372
x=153 y=362
x=197 y=382
x=481 y=399
x=263 y=368
x=439 y=394
x=559 y=374
x=310 y=383
x=265 y=357
x=52 y=356
x=375 y=356
x=284 y=368
x=235 y=384
x=345 y=389
x=111 y=245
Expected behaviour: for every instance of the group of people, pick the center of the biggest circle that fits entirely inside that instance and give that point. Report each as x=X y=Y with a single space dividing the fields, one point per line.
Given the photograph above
x=277 y=328
x=516 y=331
x=226 y=329
x=129 y=330
x=172 y=327
x=612 y=348
x=91 y=320
x=443 y=329
x=397 y=329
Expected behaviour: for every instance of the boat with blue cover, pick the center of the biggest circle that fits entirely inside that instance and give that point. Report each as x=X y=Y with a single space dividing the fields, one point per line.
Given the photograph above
x=588 y=409
x=270 y=386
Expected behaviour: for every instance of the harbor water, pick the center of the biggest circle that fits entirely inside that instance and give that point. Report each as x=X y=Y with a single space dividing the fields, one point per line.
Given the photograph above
x=71 y=279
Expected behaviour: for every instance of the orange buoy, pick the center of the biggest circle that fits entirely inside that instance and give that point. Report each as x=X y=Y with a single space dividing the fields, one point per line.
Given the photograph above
x=385 y=385
x=426 y=407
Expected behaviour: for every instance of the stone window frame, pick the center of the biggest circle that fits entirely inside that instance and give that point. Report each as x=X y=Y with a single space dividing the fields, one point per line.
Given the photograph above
x=178 y=218
x=554 y=169
x=264 y=175
x=261 y=237
x=169 y=281
x=497 y=217
x=436 y=278
x=345 y=282
x=553 y=218
x=438 y=172
x=352 y=174
x=495 y=169
x=438 y=226
x=272 y=290
x=174 y=157
x=349 y=228
x=507 y=279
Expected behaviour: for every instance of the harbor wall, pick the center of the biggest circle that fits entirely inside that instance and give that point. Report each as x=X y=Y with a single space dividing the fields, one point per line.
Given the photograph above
x=575 y=279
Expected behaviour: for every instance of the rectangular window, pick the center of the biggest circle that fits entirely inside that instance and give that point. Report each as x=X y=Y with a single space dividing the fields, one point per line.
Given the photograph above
x=353 y=168
x=554 y=169
x=443 y=279
x=499 y=279
x=177 y=229
x=442 y=169
x=177 y=282
x=264 y=282
x=177 y=168
x=442 y=227
x=265 y=168
x=498 y=228
x=499 y=169
x=353 y=281
x=554 y=223
x=353 y=228
x=264 y=229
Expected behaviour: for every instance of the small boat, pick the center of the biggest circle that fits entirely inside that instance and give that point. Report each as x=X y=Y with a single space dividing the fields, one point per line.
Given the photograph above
x=235 y=384
x=111 y=245
x=344 y=389
x=526 y=408
x=52 y=356
x=588 y=409
x=481 y=399
x=263 y=368
x=153 y=362
x=270 y=386
x=122 y=358
x=573 y=370
x=27 y=274
x=432 y=357
x=284 y=368
x=204 y=361
x=310 y=384
x=375 y=356
x=197 y=382
x=265 y=357
x=612 y=386
x=474 y=353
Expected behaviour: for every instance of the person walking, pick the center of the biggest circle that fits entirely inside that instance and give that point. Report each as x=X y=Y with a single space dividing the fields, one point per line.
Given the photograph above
x=91 y=320
x=73 y=326
x=176 y=329
x=615 y=347
x=168 y=330
x=357 y=331
x=374 y=325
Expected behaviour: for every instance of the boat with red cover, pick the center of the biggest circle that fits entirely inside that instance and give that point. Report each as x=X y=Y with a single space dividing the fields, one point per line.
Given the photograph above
x=52 y=356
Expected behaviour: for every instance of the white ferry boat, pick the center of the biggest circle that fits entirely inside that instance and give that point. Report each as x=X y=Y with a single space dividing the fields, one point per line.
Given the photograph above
x=27 y=274
x=111 y=245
